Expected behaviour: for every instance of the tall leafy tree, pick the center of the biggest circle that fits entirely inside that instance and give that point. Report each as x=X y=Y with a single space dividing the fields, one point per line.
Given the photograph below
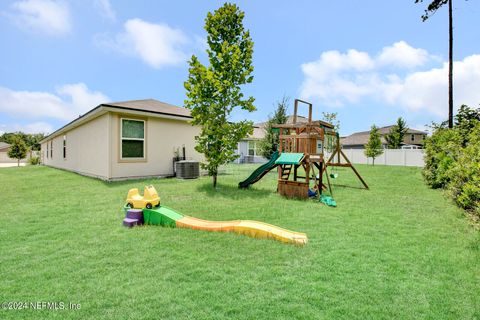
x=332 y=117
x=32 y=140
x=18 y=150
x=214 y=90
x=465 y=120
x=331 y=141
x=271 y=138
x=373 y=148
x=431 y=9
x=396 y=135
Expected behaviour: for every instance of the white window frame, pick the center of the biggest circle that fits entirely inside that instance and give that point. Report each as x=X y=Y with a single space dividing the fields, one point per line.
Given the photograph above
x=65 y=147
x=51 y=149
x=132 y=139
x=254 y=148
x=47 y=150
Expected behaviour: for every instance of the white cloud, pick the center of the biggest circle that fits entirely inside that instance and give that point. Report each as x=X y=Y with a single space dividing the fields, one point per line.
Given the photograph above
x=35 y=127
x=42 y=16
x=402 y=55
x=332 y=62
x=428 y=90
x=70 y=101
x=105 y=9
x=337 y=79
x=158 y=45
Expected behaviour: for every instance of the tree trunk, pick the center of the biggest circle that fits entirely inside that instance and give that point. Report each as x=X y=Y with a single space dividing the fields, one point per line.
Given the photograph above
x=18 y=162
x=373 y=161
x=214 y=177
x=450 y=65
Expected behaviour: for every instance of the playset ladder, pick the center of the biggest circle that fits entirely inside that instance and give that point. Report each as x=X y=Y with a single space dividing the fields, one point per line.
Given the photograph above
x=286 y=169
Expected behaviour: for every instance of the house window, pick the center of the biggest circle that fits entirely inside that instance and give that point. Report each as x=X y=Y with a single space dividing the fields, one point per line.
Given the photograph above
x=412 y=137
x=51 y=149
x=133 y=139
x=47 y=150
x=64 y=147
x=252 y=148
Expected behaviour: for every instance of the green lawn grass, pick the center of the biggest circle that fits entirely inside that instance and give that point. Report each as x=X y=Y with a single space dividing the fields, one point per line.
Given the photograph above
x=397 y=251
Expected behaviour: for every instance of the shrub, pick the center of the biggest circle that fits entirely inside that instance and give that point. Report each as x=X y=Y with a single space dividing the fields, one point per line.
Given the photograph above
x=452 y=159
x=34 y=160
x=441 y=151
x=464 y=176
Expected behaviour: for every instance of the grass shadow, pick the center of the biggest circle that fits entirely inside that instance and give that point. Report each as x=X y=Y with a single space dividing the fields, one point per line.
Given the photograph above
x=229 y=191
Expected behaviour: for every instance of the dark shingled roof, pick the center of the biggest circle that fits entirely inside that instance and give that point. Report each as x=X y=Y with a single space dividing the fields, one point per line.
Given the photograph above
x=151 y=105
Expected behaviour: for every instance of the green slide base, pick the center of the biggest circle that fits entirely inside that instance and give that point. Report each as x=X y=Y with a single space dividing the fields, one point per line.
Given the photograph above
x=162 y=215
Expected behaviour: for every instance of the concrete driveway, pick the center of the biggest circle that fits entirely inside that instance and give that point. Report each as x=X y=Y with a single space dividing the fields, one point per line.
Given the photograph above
x=12 y=164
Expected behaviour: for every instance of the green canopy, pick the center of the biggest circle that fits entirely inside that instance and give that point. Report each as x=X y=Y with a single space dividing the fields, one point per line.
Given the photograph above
x=290 y=158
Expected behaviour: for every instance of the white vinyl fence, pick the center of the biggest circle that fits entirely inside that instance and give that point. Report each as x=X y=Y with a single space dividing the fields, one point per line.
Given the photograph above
x=390 y=157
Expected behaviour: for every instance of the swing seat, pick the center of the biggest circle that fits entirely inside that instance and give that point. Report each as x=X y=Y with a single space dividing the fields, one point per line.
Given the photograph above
x=329 y=201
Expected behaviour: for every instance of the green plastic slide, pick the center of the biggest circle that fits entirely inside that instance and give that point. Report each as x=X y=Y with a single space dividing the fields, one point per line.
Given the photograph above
x=260 y=172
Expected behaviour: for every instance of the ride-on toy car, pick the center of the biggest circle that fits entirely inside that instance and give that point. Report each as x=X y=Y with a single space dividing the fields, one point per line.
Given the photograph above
x=149 y=200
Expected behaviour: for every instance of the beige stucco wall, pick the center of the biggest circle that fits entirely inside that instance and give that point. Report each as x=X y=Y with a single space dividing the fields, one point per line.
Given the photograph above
x=162 y=137
x=4 y=158
x=418 y=138
x=87 y=149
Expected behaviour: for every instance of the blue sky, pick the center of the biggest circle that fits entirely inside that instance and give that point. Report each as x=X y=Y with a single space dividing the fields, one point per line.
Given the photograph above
x=370 y=61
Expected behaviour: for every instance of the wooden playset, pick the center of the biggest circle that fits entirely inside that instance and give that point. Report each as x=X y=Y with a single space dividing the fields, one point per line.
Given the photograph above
x=303 y=145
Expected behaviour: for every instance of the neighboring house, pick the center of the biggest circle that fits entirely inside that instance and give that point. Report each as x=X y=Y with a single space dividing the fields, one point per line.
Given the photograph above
x=4 y=147
x=4 y=158
x=249 y=148
x=413 y=139
x=122 y=140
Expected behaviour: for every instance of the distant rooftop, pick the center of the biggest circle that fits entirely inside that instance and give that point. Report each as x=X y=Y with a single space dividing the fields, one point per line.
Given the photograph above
x=361 y=138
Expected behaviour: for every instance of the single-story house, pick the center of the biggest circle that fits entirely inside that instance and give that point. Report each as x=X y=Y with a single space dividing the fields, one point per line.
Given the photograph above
x=413 y=139
x=249 y=148
x=122 y=140
x=4 y=158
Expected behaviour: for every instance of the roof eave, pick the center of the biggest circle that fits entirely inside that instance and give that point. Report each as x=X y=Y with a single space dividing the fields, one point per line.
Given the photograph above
x=97 y=111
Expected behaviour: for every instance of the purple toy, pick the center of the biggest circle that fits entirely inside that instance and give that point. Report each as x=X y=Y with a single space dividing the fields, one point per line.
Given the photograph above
x=133 y=218
x=135 y=214
x=129 y=223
